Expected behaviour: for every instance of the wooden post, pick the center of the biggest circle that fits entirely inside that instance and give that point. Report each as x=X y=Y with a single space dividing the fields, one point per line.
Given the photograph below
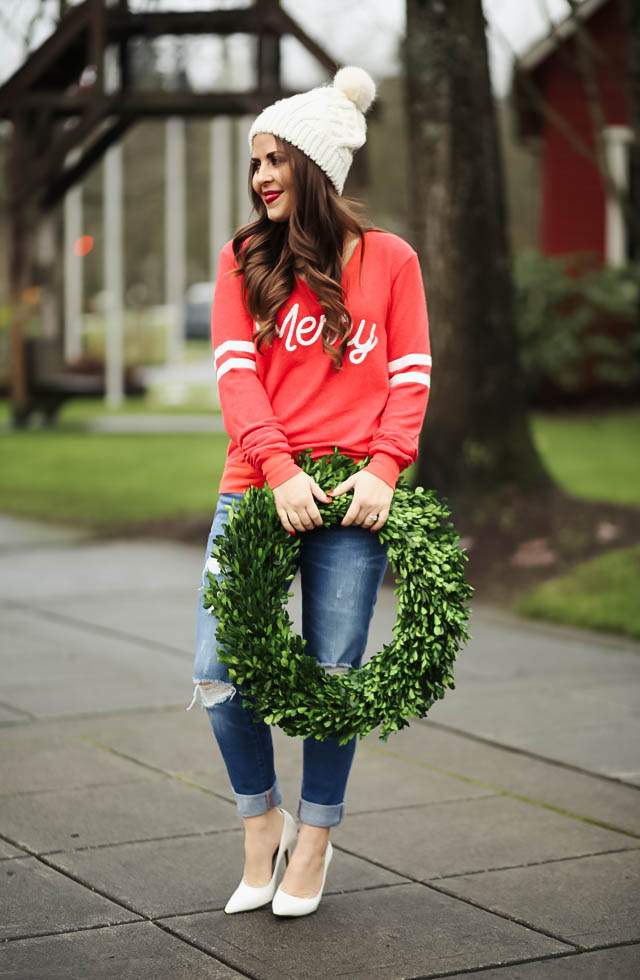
x=175 y=275
x=221 y=190
x=268 y=61
x=113 y=261
x=46 y=264
x=96 y=43
x=243 y=204
x=123 y=53
x=73 y=272
x=18 y=271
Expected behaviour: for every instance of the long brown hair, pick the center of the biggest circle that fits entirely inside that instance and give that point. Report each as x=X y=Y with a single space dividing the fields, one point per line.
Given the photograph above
x=311 y=240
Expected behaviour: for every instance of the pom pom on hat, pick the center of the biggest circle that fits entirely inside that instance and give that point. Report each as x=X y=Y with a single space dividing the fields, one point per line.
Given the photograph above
x=326 y=123
x=357 y=85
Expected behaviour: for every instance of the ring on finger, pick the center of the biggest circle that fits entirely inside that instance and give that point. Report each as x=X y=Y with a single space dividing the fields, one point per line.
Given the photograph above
x=373 y=518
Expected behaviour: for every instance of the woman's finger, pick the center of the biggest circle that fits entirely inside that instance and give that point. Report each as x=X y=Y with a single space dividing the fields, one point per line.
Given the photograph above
x=307 y=521
x=347 y=484
x=295 y=519
x=314 y=515
x=319 y=493
x=302 y=518
x=365 y=515
x=354 y=514
x=382 y=520
x=286 y=523
x=361 y=511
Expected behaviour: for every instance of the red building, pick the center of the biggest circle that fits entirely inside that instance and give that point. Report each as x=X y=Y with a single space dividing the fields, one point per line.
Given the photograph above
x=578 y=216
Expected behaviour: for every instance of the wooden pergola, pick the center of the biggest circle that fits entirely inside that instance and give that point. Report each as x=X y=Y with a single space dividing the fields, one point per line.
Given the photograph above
x=61 y=109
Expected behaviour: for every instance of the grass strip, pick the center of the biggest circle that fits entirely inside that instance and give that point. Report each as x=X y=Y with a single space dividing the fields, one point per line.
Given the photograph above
x=594 y=457
x=600 y=594
x=104 y=480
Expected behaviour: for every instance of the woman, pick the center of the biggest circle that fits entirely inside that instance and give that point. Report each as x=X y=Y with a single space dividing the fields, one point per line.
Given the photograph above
x=320 y=340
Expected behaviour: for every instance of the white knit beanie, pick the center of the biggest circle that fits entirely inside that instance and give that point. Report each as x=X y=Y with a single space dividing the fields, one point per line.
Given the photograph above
x=326 y=123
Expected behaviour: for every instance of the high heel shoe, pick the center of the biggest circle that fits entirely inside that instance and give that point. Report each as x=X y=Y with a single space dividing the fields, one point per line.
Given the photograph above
x=246 y=897
x=285 y=904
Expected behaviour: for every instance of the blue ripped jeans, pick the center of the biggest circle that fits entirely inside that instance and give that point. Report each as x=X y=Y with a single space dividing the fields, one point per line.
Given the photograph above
x=341 y=571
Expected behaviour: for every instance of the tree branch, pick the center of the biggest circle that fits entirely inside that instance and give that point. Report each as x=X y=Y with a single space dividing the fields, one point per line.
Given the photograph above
x=594 y=101
x=598 y=158
x=31 y=26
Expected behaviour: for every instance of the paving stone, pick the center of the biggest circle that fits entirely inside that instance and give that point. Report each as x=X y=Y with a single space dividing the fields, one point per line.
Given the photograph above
x=175 y=743
x=192 y=874
x=617 y=963
x=593 y=796
x=35 y=900
x=51 y=668
x=382 y=934
x=378 y=782
x=512 y=675
x=8 y=851
x=140 y=950
x=183 y=743
x=591 y=901
x=32 y=759
x=454 y=838
x=447 y=825
x=19 y=532
x=165 y=618
x=99 y=568
x=12 y=716
x=159 y=807
x=169 y=739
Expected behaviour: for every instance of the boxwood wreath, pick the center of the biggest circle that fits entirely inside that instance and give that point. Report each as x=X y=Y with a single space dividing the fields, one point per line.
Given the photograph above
x=276 y=679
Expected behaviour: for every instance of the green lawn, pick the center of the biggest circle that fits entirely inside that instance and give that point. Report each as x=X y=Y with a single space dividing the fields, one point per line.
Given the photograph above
x=107 y=480
x=594 y=457
x=601 y=594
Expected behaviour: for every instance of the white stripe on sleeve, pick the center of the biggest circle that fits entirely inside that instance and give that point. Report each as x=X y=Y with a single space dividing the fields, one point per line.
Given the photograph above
x=402 y=362
x=238 y=346
x=236 y=363
x=409 y=377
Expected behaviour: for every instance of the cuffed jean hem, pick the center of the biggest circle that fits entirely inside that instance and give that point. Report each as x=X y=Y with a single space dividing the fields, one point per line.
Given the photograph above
x=255 y=804
x=320 y=814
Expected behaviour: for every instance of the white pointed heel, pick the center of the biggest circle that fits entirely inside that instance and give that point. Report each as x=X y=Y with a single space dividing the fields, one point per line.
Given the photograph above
x=245 y=897
x=284 y=904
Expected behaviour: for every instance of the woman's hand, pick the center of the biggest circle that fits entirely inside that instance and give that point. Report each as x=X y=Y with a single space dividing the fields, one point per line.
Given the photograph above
x=295 y=503
x=371 y=497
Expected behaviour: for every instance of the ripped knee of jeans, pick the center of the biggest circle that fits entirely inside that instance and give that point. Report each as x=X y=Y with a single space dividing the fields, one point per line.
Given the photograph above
x=335 y=668
x=212 y=693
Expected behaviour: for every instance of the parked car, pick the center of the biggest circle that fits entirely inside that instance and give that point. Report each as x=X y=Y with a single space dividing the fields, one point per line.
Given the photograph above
x=197 y=310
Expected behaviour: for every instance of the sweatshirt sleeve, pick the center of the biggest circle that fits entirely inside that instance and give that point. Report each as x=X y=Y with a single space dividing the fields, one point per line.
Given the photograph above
x=394 y=444
x=246 y=410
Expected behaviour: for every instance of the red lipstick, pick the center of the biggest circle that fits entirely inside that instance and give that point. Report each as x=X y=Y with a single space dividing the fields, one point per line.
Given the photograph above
x=271 y=196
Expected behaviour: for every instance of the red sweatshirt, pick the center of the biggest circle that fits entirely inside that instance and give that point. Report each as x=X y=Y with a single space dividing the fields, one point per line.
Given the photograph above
x=289 y=397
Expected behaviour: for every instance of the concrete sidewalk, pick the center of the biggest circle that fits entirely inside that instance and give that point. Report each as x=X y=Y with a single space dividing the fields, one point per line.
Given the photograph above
x=501 y=837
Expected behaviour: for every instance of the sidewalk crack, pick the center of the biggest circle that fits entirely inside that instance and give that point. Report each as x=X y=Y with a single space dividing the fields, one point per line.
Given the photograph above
x=605 y=825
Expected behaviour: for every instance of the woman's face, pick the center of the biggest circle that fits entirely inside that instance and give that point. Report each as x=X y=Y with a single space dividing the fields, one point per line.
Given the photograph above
x=272 y=177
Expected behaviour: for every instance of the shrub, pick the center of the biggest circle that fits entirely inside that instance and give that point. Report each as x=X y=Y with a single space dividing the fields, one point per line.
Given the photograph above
x=576 y=332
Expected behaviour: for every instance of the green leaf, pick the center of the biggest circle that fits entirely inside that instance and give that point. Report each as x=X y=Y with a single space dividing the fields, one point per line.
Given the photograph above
x=287 y=687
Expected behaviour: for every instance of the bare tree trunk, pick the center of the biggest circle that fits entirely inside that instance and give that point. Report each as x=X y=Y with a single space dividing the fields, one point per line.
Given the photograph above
x=476 y=437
